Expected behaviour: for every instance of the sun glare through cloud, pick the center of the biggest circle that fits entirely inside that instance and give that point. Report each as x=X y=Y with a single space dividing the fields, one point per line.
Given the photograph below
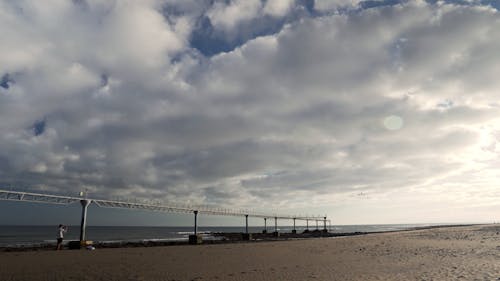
x=393 y=122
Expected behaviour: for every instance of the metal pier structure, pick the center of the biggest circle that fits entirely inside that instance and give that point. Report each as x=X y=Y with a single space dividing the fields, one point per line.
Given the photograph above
x=158 y=207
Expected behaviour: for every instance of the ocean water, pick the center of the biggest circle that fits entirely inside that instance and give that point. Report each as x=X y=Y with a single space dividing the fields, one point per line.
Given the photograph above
x=17 y=236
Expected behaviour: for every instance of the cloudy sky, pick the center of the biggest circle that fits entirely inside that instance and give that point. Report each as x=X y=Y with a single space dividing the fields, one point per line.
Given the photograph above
x=368 y=111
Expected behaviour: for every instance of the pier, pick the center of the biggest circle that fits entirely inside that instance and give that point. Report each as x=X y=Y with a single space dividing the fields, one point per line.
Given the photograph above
x=195 y=238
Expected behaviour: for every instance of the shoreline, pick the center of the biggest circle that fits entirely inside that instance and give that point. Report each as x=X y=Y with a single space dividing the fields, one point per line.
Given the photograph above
x=220 y=238
x=437 y=253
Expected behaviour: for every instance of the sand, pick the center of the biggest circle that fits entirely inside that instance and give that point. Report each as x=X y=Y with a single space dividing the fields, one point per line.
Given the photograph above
x=452 y=253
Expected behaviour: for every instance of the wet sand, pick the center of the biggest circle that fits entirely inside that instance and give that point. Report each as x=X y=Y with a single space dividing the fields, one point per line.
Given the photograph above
x=449 y=253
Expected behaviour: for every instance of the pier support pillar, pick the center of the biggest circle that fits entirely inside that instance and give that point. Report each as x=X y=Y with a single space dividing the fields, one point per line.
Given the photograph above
x=246 y=236
x=324 y=225
x=246 y=224
x=85 y=203
x=195 y=238
x=276 y=233
x=294 y=230
x=317 y=226
x=307 y=227
x=265 y=226
x=195 y=222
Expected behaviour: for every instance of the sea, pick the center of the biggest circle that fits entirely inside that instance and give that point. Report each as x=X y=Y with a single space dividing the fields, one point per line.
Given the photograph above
x=39 y=235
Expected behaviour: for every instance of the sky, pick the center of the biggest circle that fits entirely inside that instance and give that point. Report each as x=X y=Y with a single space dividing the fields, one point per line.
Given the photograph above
x=367 y=111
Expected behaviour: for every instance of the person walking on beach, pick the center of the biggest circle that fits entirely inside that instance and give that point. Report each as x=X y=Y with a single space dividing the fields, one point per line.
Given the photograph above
x=60 y=236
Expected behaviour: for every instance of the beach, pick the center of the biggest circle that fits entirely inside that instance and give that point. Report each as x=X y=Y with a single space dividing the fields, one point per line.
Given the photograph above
x=444 y=253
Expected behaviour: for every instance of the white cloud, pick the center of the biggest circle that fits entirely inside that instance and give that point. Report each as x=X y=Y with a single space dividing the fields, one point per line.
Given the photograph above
x=278 y=8
x=238 y=16
x=130 y=107
x=227 y=16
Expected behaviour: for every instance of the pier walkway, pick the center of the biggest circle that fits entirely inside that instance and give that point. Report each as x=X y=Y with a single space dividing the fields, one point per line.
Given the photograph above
x=158 y=207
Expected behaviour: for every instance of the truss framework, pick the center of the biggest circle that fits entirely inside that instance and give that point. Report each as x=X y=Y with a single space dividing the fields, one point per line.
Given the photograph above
x=158 y=207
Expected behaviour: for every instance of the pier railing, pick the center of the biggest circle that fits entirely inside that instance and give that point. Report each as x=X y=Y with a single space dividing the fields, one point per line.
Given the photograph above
x=158 y=207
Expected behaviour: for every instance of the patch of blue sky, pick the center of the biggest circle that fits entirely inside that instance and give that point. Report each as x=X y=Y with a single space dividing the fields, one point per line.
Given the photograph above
x=39 y=127
x=363 y=5
x=493 y=3
x=209 y=41
x=6 y=81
